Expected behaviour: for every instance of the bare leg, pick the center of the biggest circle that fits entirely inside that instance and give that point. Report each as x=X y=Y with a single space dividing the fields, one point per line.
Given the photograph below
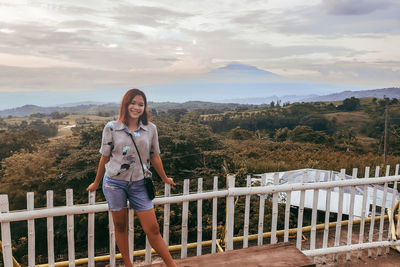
x=120 y=219
x=150 y=227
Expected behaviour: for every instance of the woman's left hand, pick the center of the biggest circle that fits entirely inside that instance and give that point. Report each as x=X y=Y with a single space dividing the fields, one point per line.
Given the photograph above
x=169 y=181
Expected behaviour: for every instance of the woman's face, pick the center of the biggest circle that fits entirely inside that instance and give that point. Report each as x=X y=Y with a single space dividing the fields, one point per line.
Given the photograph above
x=136 y=107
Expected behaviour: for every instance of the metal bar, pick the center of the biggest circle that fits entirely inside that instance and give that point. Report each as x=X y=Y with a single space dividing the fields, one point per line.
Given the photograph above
x=5 y=233
x=372 y=224
x=363 y=211
x=274 y=211
x=91 y=249
x=167 y=209
x=214 y=217
x=261 y=212
x=230 y=217
x=300 y=215
x=70 y=229
x=31 y=230
x=199 y=216
x=185 y=210
x=50 y=230
x=287 y=209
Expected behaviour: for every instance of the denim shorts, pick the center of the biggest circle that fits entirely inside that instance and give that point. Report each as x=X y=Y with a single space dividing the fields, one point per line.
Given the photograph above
x=117 y=192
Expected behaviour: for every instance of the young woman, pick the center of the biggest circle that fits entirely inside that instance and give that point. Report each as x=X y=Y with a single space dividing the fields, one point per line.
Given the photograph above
x=120 y=164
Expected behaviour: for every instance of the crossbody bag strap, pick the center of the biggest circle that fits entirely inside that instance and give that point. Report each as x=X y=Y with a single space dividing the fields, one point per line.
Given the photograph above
x=137 y=150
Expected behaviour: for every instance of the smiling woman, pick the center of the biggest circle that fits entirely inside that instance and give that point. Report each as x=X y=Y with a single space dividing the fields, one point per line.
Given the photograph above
x=128 y=147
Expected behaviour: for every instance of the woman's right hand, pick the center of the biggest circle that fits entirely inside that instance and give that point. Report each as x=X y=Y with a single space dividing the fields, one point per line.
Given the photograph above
x=92 y=187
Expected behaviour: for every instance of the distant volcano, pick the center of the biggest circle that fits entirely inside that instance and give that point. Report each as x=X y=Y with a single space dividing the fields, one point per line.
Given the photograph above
x=237 y=81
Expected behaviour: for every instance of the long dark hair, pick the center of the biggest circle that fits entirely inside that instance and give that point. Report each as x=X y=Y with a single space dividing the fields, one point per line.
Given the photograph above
x=126 y=100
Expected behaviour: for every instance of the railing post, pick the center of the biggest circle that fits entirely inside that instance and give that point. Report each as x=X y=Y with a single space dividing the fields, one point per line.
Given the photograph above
x=274 y=222
x=230 y=215
x=6 y=233
x=70 y=229
x=246 y=216
x=214 y=217
x=167 y=208
x=261 y=212
x=185 y=210
x=31 y=230
x=50 y=230
x=199 y=217
x=91 y=248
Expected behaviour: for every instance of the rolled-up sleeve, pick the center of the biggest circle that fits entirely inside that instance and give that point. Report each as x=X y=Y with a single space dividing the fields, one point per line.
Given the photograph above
x=107 y=140
x=155 y=147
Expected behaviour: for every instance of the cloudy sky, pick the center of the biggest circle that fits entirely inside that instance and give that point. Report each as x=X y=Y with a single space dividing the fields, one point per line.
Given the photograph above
x=97 y=44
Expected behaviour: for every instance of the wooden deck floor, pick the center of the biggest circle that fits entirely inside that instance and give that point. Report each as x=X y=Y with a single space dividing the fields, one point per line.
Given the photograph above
x=281 y=254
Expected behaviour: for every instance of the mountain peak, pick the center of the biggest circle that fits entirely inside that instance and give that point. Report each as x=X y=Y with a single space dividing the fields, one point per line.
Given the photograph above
x=244 y=71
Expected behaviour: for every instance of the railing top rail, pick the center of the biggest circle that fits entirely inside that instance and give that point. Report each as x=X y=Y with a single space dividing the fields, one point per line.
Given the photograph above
x=236 y=191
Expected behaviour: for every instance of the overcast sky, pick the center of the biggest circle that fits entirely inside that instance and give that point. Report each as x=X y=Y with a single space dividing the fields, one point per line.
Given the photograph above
x=97 y=44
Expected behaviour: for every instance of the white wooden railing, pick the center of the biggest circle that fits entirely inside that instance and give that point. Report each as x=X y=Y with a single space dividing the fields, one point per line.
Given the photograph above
x=281 y=195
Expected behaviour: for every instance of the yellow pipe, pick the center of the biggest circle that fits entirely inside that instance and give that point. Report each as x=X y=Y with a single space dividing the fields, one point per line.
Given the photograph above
x=219 y=246
x=306 y=229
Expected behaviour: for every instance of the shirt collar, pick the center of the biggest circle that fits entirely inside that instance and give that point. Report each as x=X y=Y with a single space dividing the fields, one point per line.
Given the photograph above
x=122 y=126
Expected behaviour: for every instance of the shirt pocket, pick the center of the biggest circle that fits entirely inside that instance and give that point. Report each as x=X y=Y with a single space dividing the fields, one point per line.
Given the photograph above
x=116 y=170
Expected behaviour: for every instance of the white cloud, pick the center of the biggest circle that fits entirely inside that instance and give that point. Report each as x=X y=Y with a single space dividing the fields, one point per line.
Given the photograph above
x=339 y=41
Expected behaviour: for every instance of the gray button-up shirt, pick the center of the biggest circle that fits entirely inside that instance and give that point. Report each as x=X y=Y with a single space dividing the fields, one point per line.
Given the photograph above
x=124 y=161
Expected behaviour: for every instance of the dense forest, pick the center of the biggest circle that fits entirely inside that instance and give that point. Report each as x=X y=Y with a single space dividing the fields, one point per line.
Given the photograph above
x=60 y=150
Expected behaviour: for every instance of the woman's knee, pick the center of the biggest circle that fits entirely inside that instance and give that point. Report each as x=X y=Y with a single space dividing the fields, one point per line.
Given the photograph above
x=120 y=226
x=152 y=229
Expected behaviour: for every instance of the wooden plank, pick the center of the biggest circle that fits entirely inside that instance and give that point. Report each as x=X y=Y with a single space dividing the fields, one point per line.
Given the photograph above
x=199 y=217
x=314 y=212
x=167 y=212
x=373 y=213
x=185 y=210
x=300 y=214
x=50 y=229
x=112 y=239
x=214 y=217
x=261 y=213
x=230 y=215
x=246 y=215
x=363 y=212
x=339 y=214
x=274 y=210
x=91 y=248
x=70 y=229
x=131 y=232
x=271 y=255
x=5 y=233
x=287 y=209
x=30 y=202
